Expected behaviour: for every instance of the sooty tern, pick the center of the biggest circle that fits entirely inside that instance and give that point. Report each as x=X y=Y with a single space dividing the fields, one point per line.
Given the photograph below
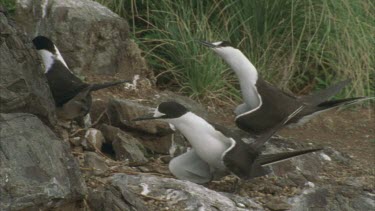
x=71 y=95
x=264 y=104
x=213 y=153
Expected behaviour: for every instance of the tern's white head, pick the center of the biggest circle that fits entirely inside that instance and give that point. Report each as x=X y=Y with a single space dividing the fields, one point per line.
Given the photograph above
x=241 y=65
x=234 y=58
x=225 y=50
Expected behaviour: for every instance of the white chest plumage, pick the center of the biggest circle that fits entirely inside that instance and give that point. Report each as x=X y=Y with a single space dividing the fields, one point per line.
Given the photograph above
x=208 y=143
x=49 y=58
x=245 y=71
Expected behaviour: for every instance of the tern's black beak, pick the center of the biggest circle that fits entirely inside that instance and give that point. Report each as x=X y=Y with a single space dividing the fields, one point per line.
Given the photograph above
x=207 y=44
x=145 y=117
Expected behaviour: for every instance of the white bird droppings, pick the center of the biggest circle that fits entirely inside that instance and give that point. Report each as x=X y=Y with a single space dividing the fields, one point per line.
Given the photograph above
x=325 y=157
x=310 y=184
x=44 y=8
x=172 y=127
x=145 y=189
x=133 y=85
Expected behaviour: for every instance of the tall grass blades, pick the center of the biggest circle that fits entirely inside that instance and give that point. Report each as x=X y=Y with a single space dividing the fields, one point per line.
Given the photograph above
x=301 y=45
x=9 y=5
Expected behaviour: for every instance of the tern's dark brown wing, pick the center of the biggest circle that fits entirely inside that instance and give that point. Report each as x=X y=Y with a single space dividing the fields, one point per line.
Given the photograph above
x=64 y=84
x=240 y=158
x=322 y=95
x=262 y=139
x=276 y=106
x=277 y=157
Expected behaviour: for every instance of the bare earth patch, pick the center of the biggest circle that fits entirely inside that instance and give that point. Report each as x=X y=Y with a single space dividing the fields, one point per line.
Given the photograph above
x=351 y=131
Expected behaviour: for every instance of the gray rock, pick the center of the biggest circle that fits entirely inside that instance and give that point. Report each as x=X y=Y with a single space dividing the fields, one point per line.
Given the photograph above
x=23 y=87
x=90 y=37
x=335 y=198
x=76 y=141
x=109 y=198
x=155 y=193
x=310 y=164
x=97 y=108
x=37 y=170
x=332 y=154
x=156 y=144
x=172 y=144
x=96 y=162
x=275 y=203
x=125 y=146
x=128 y=148
x=94 y=139
x=190 y=104
x=121 y=112
x=178 y=145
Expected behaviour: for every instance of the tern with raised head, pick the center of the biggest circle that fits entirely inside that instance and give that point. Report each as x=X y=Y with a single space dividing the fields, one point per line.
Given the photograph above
x=265 y=105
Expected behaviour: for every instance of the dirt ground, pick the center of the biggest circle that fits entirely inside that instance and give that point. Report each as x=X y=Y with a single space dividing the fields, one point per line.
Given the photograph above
x=348 y=130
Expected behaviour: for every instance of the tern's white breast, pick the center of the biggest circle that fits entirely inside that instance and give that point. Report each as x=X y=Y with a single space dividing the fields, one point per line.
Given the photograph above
x=208 y=143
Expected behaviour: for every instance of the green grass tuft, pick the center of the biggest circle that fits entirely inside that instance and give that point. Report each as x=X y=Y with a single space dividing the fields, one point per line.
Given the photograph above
x=10 y=5
x=301 y=45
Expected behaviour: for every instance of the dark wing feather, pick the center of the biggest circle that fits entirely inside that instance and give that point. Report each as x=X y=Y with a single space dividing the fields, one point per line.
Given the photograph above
x=276 y=157
x=239 y=160
x=276 y=105
x=242 y=159
x=64 y=84
x=262 y=139
x=323 y=95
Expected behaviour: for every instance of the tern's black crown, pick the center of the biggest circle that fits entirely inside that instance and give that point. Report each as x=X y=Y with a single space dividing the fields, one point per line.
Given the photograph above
x=172 y=109
x=225 y=44
x=43 y=43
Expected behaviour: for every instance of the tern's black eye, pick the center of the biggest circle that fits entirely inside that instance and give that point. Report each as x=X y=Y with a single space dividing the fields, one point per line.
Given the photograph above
x=172 y=109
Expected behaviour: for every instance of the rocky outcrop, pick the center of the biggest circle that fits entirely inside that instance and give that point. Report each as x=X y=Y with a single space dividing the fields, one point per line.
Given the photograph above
x=172 y=144
x=94 y=140
x=125 y=146
x=91 y=38
x=293 y=191
x=155 y=135
x=95 y=163
x=333 y=197
x=121 y=112
x=129 y=192
x=37 y=170
x=23 y=87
